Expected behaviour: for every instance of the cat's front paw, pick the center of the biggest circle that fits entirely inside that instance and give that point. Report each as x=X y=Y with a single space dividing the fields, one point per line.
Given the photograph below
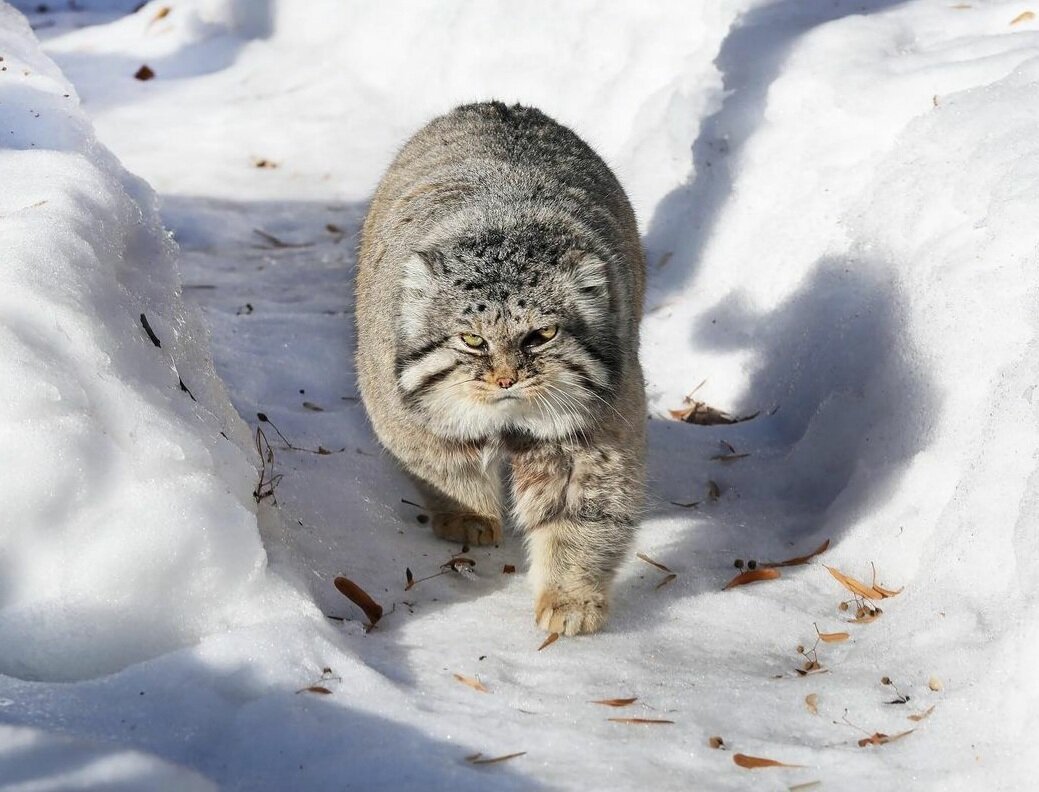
x=571 y=611
x=472 y=529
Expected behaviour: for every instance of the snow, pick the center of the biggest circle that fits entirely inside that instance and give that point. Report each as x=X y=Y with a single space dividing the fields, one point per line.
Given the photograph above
x=837 y=201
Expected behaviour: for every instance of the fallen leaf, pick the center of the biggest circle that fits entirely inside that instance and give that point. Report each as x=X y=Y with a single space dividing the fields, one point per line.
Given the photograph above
x=508 y=569
x=667 y=579
x=755 y=762
x=1024 y=16
x=307 y=405
x=879 y=738
x=812 y=703
x=162 y=13
x=617 y=702
x=836 y=637
x=873 y=592
x=649 y=560
x=713 y=490
x=716 y=742
x=272 y=240
x=476 y=760
x=752 y=576
x=332 y=228
x=701 y=414
x=315 y=689
x=359 y=597
x=552 y=638
x=475 y=684
x=922 y=715
x=644 y=721
x=813 y=668
x=144 y=73
x=799 y=560
x=728 y=457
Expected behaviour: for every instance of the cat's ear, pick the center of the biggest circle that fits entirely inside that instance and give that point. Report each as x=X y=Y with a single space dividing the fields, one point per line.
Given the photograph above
x=587 y=273
x=423 y=270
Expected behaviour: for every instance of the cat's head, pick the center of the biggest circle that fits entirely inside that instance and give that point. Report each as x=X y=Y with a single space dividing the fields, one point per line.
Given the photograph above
x=507 y=332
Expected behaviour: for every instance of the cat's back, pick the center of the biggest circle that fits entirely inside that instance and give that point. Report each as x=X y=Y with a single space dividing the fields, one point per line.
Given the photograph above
x=493 y=164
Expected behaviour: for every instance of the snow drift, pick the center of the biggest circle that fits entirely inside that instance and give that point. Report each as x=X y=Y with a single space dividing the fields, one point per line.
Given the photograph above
x=128 y=525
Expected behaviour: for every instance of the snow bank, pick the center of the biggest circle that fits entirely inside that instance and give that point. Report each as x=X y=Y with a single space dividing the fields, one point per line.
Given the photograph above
x=79 y=764
x=128 y=525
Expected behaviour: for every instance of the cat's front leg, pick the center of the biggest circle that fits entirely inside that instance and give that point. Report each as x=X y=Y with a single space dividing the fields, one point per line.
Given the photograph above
x=578 y=509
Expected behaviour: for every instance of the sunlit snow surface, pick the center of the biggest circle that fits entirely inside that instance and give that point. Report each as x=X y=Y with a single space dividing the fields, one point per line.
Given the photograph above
x=838 y=201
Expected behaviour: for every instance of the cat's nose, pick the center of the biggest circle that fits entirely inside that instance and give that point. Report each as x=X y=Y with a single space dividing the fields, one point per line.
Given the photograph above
x=506 y=382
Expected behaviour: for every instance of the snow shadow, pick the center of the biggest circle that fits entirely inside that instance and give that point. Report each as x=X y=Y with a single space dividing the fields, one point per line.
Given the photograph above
x=843 y=407
x=228 y=723
x=749 y=60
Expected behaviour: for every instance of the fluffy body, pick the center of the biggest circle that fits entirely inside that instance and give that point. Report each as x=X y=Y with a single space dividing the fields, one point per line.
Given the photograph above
x=499 y=293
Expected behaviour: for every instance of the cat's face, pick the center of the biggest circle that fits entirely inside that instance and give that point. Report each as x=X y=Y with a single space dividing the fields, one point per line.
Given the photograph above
x=492 y=343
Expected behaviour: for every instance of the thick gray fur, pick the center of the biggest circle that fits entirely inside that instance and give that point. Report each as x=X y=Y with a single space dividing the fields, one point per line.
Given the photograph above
x=499 y=223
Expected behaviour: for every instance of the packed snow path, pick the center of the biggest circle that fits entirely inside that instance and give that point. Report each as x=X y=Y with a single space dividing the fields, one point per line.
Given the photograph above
x=838 y=203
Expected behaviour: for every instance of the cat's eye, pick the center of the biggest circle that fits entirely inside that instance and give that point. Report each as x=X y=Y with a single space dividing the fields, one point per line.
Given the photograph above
x=472 y=340
x=541 y=336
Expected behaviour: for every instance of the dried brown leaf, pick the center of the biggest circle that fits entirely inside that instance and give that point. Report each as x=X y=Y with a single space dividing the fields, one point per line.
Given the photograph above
x=879 y=738
x=1024 y=16
x=755 y=762
x=476 y=760
x=649 y=560
x=812 y=703
x=689 y=505
x=811 y=668
x=162 y=13
x=475 y=684
x=616 y=702
x=359 y=597
x=752 y=576
x=508 y=569
x=321 y=689
x=701 y=414
x=919 y=716
x=667 y=579
x=552 y=638
x=836 y=637
x=642 y=721
x=855 y=586
x=716 y=742
x=799 y=560
x=144 y=73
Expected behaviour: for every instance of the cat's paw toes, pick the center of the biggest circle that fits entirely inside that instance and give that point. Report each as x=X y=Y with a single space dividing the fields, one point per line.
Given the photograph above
x=571 y=612
x=471 y=529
